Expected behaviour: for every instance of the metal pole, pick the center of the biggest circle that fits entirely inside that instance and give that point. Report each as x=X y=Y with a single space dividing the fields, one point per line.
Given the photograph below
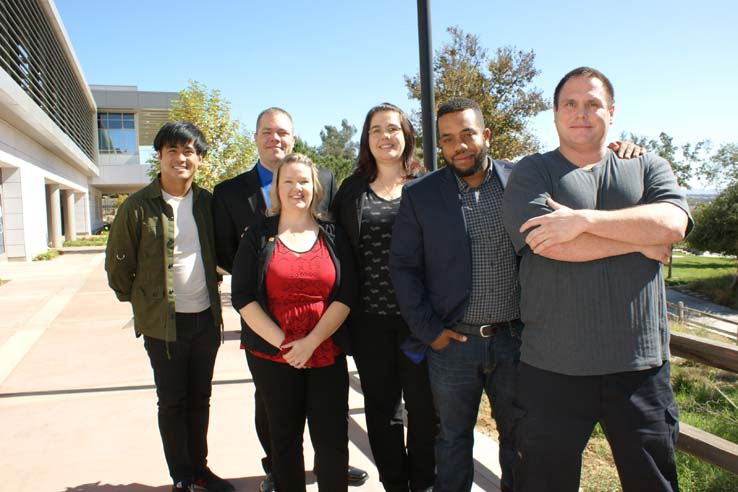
x=427 y=99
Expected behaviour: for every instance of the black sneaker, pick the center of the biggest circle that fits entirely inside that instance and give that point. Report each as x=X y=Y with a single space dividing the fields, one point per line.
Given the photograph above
x=267 y=485
x=183 y=486
x=212 y=482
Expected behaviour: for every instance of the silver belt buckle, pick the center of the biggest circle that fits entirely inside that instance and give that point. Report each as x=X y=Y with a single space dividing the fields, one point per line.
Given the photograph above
x=483 y=333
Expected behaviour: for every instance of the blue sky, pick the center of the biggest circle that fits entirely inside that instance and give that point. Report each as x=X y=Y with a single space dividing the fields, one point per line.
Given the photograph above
x=673 y=63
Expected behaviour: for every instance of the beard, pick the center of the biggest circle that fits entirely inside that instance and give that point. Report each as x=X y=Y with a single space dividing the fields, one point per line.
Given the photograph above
x=479 y=161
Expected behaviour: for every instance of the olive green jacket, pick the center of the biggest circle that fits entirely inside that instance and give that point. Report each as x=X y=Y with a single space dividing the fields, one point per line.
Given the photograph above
x=140 y=258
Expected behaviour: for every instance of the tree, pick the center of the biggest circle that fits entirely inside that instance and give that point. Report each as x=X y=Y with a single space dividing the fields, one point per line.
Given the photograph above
x=302 y=147
x=340 y=166
x=685 y=160
x=722 y=168
x=716 y=225
x=337 y=150
x=337 y=143
x=501 y=85
x=231 y=149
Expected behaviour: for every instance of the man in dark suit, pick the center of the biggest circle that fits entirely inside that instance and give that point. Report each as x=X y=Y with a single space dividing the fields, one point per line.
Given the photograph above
x=455 y=273
x=241 y=202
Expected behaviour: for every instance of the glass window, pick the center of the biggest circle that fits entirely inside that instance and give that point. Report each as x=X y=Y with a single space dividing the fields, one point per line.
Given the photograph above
x=116 y=133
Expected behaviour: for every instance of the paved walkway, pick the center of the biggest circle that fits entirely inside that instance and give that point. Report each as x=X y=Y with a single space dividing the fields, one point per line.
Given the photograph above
x=695 y=301
x=77 y=402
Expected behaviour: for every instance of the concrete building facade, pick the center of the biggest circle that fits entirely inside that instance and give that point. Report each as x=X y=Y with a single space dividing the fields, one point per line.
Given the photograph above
x=63 y=144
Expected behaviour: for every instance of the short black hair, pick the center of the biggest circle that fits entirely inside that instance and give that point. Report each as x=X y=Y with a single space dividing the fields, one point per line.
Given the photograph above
x=456 y=104
x=585 y=72
x=181 y=133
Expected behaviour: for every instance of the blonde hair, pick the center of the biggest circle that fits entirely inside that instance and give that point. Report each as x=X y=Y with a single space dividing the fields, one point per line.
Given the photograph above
x=296 y=158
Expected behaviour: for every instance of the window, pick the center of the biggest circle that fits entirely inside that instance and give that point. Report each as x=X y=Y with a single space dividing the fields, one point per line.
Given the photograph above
x=116 y=133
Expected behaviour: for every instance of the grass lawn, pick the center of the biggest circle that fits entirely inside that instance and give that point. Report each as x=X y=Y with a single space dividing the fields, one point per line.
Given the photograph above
x=93 y=240
x=712 y=276
x=706 y=398
x=50 y=254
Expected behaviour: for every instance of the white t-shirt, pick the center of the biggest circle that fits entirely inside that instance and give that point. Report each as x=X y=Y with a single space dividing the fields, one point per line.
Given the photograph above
x=190 y=288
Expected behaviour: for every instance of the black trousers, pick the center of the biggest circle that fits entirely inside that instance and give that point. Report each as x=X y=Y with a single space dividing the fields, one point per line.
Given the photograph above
x=387 y=376
x=291 y=396
x=557 y=414
x=183 y=381
x=261 y=422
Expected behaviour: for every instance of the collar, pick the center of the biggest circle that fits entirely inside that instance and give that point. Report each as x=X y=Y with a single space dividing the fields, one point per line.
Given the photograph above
x=153 y=189
x=464 y=187
x=265 y=175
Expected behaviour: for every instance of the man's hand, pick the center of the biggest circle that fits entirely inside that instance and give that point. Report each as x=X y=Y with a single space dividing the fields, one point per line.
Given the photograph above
x=626 y=149
x=445 y=338
x=560 y=226
x=298 y=352
x=658 y=252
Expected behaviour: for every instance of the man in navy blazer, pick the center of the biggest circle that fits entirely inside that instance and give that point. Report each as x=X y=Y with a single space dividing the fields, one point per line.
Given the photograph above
x=454 y=269
x=242 y=201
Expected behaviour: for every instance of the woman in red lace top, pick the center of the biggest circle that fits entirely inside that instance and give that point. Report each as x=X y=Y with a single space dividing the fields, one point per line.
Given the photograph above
x=293 y=283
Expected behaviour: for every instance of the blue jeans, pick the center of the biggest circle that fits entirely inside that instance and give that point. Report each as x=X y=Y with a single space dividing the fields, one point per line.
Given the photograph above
x=458 y=375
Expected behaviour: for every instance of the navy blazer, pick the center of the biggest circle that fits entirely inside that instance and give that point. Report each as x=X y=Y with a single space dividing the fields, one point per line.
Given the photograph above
x=238 y=204
x=430 y=254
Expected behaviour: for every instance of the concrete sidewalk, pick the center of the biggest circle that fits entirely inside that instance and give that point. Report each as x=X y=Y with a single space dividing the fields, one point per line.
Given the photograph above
x=693 y=300
x=78 y=405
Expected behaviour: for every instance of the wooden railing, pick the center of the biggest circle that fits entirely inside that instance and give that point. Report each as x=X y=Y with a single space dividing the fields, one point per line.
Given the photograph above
x=686 y=316
x=703 y=445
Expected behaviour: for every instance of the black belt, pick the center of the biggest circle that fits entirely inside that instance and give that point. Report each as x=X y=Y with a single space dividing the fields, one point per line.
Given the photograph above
x=486 y=330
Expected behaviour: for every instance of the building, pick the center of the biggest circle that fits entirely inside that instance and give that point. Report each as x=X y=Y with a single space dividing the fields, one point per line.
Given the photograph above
x=63 y=144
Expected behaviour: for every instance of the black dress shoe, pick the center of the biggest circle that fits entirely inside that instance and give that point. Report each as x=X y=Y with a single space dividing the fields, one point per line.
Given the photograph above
x=267 y=485
x=356 y=477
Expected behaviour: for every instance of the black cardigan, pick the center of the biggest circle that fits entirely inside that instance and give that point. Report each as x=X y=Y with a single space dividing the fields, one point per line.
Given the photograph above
x=346 y=209
x=249 y=274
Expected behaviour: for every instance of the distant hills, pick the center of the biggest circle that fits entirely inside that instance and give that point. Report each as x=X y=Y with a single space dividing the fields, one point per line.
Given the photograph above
x=699 y=196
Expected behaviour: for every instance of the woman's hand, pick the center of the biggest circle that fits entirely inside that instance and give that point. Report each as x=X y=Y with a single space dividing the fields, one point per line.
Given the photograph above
x=298 y=352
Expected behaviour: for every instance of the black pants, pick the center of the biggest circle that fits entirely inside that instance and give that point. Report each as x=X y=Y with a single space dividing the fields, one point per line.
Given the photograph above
x=290 y=396
x=387 y=376
x=558 y=413
x=183 y=383
x=261 y=422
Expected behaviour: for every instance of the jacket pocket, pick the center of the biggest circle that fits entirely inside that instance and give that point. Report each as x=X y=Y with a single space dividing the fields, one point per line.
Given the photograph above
x=148 y=309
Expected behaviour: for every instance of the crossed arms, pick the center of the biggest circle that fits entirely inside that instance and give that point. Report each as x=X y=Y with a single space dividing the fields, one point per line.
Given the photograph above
x=585 y=235
x=534 y=219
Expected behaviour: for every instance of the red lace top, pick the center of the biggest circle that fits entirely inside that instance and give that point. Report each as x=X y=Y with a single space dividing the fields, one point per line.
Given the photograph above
x=298 y=286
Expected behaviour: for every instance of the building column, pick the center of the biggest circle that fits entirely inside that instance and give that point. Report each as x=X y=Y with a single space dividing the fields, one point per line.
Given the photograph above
x=82 y=213
x=55 y=237
x=70 y=227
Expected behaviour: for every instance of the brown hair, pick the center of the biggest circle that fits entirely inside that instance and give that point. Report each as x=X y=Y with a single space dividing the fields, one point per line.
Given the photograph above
x=588 y=72
x=366 y=165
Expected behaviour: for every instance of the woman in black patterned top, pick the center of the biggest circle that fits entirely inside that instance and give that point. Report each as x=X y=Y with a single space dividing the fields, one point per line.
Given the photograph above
x=365 y=206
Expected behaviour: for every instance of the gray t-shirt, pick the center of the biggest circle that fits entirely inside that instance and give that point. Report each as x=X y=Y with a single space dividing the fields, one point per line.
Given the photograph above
x=597 y=317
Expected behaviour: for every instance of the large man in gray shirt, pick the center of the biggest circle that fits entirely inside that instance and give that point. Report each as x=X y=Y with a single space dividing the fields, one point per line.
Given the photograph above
x=592 y=231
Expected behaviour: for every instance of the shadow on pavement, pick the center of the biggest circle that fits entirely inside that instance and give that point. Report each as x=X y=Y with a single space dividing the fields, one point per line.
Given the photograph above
x=241 y=484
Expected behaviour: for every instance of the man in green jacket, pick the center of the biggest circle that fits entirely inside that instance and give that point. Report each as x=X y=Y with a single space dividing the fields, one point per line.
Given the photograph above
x=160 y=257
